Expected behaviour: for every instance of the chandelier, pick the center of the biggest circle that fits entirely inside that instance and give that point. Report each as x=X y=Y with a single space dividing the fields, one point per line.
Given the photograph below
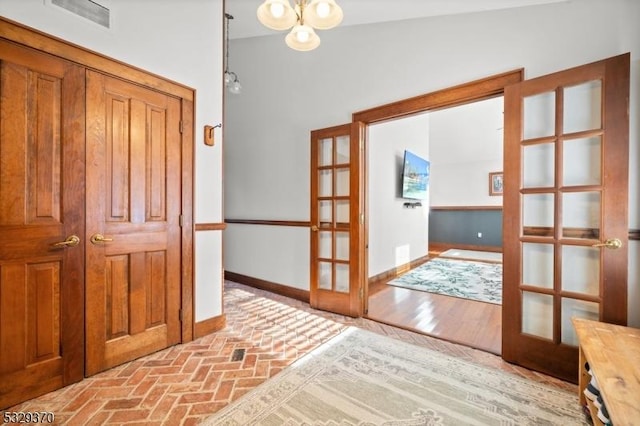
x=230 y=78
x=303 y=17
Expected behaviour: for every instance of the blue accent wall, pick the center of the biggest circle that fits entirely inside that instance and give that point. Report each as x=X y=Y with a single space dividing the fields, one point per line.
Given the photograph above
x=462 y=227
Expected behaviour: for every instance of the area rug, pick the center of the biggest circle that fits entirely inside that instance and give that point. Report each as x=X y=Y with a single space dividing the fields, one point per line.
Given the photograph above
x=363 y=378
x=460 y=278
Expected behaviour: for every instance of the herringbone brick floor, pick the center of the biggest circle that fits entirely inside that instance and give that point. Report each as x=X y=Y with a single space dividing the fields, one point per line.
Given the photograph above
x=184 y=384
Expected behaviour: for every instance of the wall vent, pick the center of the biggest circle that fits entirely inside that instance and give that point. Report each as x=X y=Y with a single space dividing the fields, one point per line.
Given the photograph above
x=87 y=9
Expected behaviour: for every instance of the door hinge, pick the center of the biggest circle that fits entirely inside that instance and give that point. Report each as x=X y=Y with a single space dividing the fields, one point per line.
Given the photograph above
x=361 y=293
x=180 y=316
x=181 y=220
x=361 y=218
x=181 y=126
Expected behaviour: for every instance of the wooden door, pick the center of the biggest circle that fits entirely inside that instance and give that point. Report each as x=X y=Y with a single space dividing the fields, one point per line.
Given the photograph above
x=565 y=211
x=337 y=220
x=41 y=223
x=133 y=221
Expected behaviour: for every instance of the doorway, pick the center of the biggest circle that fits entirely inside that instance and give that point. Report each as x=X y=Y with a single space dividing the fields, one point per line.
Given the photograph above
x=457 y=212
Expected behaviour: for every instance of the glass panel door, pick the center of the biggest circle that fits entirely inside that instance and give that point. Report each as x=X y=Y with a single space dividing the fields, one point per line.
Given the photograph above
x=563 y=252
x=336 y=207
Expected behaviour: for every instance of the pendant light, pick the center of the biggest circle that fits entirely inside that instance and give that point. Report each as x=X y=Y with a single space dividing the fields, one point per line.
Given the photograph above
x=231 y=81
x=304 y=17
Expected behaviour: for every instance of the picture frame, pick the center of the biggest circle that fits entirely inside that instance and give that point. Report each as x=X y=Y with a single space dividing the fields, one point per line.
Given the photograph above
x=496 y=183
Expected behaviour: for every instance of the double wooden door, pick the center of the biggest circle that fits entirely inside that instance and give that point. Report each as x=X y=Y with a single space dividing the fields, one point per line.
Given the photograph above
x=78 y=147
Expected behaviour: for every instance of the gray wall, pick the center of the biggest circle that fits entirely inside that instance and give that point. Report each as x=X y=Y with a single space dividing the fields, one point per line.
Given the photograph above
x=287 y=93
x=463 y=226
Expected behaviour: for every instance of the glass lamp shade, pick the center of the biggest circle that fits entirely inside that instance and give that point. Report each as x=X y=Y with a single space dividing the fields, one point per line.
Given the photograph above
x=303 y=38
x=323 y=14
x=235 y=87
x=277 y=14
x=228 y=78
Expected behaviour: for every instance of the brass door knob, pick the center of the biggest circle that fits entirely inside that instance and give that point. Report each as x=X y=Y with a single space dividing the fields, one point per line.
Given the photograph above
x=99 y=239
x=611 y=243
x=71 y=241
x=314 y=228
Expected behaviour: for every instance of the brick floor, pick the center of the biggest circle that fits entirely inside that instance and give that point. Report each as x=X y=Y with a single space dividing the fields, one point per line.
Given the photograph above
x=184 y=384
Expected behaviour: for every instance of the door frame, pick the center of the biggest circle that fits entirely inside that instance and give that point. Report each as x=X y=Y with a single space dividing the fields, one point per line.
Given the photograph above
x=474 y=91
x=28 y=37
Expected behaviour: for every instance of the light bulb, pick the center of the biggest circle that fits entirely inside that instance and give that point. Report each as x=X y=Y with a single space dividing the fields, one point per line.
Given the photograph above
x=235 y=87
x=302 y=36
x=323 y=9
x=277 y=9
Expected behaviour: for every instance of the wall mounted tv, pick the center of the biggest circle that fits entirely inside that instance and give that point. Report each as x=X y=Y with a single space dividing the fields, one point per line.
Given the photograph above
x=415 y=177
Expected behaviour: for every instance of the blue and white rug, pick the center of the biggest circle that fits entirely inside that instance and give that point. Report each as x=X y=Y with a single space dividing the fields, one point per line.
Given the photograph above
x=468 y=280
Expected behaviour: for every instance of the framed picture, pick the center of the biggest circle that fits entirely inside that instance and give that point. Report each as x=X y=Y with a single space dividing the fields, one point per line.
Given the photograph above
x=496 y=183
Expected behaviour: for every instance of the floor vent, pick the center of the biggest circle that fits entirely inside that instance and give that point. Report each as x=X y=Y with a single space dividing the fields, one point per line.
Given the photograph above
x=237 y=355
x=87 y=9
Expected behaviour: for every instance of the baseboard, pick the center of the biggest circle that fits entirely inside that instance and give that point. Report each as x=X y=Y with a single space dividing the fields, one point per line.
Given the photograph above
x=208 y=326
x=394 y=272
x=282 y=290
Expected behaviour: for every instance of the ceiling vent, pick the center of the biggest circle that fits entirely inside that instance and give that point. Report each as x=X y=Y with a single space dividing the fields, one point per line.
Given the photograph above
x=87 y=9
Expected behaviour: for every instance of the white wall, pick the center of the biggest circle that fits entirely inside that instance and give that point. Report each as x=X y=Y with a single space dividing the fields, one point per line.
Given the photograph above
x=397 y=235
x=287 y=93
x=181 y=41
x=466 y=144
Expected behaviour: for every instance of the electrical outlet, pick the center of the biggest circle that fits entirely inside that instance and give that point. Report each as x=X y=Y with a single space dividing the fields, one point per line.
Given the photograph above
x=479 y=234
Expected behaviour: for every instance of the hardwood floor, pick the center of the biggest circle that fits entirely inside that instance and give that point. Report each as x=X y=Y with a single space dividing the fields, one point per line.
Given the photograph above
x=467 y=322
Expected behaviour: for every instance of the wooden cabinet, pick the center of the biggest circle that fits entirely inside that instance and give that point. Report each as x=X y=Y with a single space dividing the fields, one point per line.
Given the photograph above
x=613 y=354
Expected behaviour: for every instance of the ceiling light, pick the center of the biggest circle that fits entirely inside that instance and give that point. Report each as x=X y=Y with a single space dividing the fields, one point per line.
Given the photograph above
x=303 y=17
x=231 y=81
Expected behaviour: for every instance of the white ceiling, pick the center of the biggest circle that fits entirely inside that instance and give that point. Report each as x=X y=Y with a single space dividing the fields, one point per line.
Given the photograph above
x=356 y=12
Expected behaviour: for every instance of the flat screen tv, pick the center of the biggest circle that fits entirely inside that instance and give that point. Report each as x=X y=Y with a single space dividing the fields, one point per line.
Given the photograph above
x=415 y=177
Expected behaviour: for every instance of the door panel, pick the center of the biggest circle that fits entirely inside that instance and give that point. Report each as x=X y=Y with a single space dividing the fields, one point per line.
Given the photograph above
x=337 y=213
x=565 y=210
x=133 y=230
x=41 y=204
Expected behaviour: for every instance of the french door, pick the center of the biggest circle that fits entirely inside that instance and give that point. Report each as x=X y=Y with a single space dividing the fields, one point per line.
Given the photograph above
x=338 y=220
x=565 y=211
x=133 y=236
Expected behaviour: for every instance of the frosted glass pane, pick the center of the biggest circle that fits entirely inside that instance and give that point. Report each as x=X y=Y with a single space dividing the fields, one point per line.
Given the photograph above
x=342 y=213
x=538 y=212
x=342 y=182
x=581 y=215
x=324 y=244
x=537 y=314
x=583 y=107
x=537 y=265
x=326 y=152
x=324 y=276
x=342 y=147
x=540 y=115
x=582 y=161
x=325 y=213
x=538 y=165
x=581 y=270
x=325 y=183
x=342 y=278
x=342 y=245
x=576 y=308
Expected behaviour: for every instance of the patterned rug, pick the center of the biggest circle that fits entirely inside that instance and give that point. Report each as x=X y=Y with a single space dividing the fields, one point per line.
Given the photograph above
x=460 y=278
x=363 y=378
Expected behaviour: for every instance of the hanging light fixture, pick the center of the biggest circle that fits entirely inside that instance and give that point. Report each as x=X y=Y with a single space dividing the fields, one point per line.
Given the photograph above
x=303 y=17
x=230 y=78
